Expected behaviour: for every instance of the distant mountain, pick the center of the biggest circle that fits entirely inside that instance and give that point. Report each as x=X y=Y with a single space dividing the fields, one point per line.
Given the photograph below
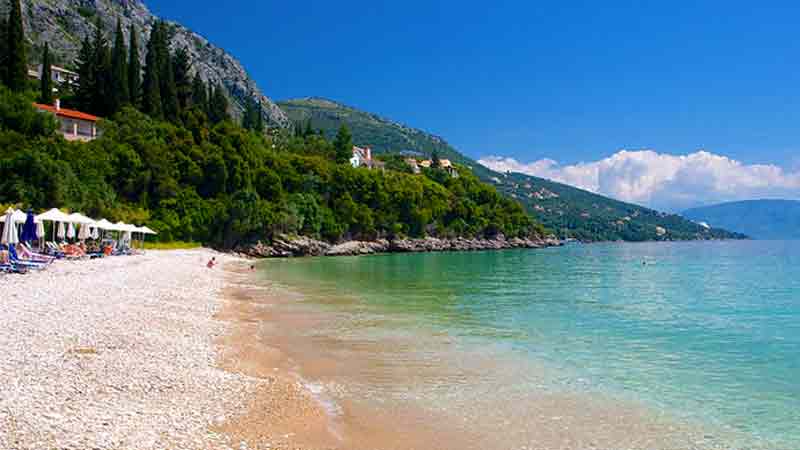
x=760 y=219
x=65 y=23
x=566 y=210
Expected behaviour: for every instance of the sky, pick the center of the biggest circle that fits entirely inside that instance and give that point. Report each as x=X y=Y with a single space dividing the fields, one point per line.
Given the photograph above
x=560 y=85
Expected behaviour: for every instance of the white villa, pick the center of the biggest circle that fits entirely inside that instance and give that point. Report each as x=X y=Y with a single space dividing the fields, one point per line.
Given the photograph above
x=362 y=157
x=59 y=75
x=75 y=125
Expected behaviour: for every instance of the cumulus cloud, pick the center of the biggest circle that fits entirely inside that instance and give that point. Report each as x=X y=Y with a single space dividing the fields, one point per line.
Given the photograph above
x=662 y=181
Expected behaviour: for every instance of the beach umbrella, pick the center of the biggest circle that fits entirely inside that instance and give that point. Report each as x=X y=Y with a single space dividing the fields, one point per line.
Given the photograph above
x=84 y=232
x=80 y=219
x=61 y=233
x=29 y=229
x=53 y=215
x=70 y=231
x=17 y=216
x=9 y=236
x=95 y=233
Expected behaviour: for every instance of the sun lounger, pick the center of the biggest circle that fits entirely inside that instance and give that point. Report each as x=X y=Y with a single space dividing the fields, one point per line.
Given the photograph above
x=15 y=260
x=28 y=254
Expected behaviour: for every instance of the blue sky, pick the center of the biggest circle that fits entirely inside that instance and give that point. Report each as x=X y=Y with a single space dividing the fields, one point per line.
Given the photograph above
x=572 y=82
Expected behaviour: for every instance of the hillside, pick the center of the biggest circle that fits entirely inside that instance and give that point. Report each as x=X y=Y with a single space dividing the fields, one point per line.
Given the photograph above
x=564 y=209
x=64 y=24
x=760 y=219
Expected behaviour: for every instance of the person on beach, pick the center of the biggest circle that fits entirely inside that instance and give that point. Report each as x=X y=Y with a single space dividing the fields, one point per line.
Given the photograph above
x=211 y=263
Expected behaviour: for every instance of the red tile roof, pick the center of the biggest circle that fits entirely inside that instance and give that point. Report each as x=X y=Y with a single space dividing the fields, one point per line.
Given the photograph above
x=70 y=113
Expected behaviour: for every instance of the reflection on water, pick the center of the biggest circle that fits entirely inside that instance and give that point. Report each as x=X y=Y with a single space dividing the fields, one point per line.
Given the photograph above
x=709 y=331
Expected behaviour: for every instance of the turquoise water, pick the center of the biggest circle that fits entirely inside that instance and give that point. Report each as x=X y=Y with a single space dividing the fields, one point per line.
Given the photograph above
x=709 y=331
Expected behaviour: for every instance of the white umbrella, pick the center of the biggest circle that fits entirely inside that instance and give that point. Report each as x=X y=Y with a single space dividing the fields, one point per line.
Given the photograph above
x=54 y=215
x=95 y=233
x=9 y=236
x=103 y=224
x=17 y=216
x=84 y=232
x=146 y=230
x=70 y=231
x=80 y=219
x=61 y=234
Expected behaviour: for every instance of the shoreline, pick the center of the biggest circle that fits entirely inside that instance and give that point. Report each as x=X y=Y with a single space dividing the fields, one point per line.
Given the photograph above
x=156 y=351
x=300 y=246
x=317 y=370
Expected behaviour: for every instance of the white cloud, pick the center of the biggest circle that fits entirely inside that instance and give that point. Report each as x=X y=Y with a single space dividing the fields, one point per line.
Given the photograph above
x=662 y=181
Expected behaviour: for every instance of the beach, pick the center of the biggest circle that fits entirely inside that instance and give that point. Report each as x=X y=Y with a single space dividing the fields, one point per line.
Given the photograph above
x=159 y=352
x=116 y=353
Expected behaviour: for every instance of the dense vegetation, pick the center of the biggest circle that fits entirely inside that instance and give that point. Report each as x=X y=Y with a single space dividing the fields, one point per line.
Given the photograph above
x=759 y=219
x=569 y=211
x=225 y=185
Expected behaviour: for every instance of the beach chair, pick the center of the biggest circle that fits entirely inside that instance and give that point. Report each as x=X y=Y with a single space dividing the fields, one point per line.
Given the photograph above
x=17 y=261
x=54 y=250
x=28 y=254
x=7 y=267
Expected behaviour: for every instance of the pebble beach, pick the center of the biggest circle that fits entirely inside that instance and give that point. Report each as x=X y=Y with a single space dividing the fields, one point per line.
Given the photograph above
x=116 y=353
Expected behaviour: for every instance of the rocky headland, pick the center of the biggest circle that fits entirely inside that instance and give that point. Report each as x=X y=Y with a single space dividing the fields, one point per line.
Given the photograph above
x=298 y=246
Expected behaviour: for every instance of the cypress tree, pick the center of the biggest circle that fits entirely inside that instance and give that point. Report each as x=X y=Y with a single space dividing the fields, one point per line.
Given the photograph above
x=46 y=95
x=259 y=116
x=219 y=106
x=199 y=94
x=151 y=87
x=209 y=97
x=308 y=131
x=16 y=61
x=166 y=75
x=3 y=45
x=183 y=79
x=86 y=73
x=119 y=94
x=102 y=90
x=343 y=145
x=134 y=69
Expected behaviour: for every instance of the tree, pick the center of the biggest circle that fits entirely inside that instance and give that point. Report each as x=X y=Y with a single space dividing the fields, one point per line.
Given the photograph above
x=119 y=89
x=435 y=161
x=182 y=67
x=134 y=69
x=166 y=74
x=199 y=93
x=3 y=45
x=46 y=94
x=308 y=132
x=151 y=86
x=253 y=118
x=16 y=60
x=219 y=106
x=84 y=94
x=101 y=92
x=343 y=145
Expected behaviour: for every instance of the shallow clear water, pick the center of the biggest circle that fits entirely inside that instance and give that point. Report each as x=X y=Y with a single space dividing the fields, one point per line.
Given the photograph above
x=709 y=331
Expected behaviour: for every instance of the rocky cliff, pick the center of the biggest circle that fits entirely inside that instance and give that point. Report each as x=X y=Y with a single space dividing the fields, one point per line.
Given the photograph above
x=64 y=24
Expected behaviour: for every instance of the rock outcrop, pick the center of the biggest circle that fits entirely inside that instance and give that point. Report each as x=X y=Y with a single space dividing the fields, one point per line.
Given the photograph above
x=285 y=246
x=64 y=24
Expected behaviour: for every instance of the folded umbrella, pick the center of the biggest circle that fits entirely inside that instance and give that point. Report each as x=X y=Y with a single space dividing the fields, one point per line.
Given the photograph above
x=29 y=229
x=61 y=234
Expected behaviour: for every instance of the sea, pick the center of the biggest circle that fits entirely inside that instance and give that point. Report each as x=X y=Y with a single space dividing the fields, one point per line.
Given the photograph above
x=658 y=338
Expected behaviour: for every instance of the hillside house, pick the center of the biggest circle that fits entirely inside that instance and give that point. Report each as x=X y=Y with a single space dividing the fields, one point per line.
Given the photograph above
x=362 y=157
x=60 y=75
x=74 y=125
x=444 y=164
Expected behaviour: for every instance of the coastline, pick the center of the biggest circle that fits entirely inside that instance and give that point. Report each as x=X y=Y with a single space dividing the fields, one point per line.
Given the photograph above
x=299 y=246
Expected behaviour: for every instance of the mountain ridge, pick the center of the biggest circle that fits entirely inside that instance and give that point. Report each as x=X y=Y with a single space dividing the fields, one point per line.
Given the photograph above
x=567 y=210
x=64 y=23
x=759 y=218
